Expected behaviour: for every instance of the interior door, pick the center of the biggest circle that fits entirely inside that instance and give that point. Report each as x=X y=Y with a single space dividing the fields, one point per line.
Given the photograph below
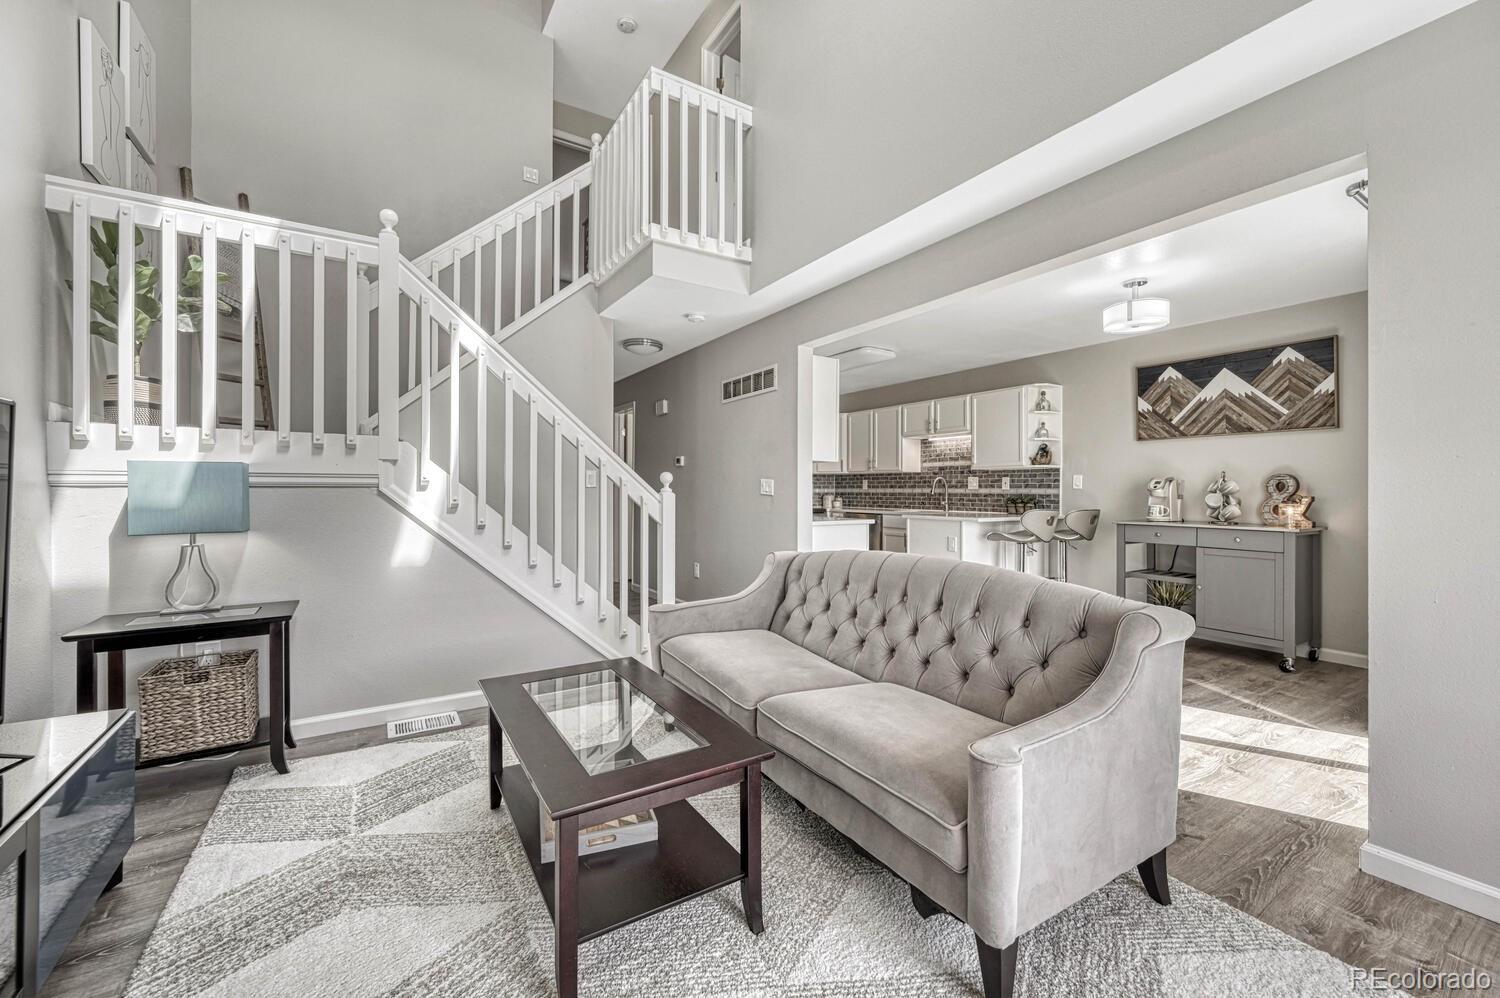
x=729 y=76
x=998 y=429
x=861 y=442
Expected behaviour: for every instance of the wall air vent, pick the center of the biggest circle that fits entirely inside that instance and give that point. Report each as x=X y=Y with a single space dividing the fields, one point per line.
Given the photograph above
x=421 y=725
x=746 y=385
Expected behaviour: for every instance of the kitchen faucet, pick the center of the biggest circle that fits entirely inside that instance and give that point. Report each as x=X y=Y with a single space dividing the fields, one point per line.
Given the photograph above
x=933 y=490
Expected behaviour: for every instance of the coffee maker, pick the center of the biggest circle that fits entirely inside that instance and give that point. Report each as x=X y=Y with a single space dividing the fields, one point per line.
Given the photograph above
x=1164 y=499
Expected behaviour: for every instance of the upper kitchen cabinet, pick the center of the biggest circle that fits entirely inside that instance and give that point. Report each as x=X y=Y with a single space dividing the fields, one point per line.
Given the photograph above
x=1011 y=424
x=942 y=417
x=861 y=452
x=842 y=464
x=891 y=450
x=827 y=423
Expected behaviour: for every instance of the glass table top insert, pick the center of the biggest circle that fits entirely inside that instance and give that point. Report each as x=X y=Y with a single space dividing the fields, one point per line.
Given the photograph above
x=608 y=723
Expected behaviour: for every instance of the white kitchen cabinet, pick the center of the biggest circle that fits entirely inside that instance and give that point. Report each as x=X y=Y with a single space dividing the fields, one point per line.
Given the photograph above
x=825 y=409
x=890 y=450
x=951 y=415
x=842 y=464
x=861 y=452
x=916 y=419
x=999 y=429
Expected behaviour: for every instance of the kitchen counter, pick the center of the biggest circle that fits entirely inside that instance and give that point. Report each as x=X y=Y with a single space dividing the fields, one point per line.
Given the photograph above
x=976 y=517
x=1211 y=525
x=819 y=518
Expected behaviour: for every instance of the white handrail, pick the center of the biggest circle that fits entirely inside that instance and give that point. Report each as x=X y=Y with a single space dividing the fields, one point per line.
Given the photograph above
x=484 y=229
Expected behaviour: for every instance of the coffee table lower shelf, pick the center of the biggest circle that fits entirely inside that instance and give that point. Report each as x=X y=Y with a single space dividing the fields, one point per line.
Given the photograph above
x=621 y=886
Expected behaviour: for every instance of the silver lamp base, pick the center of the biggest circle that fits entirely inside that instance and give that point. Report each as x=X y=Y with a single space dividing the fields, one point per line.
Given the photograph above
x=180 y=584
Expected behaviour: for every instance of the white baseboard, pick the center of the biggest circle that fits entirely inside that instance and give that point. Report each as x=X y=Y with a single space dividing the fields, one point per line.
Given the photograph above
x=1442 y=885
x=1339 y=657
x=366 y=717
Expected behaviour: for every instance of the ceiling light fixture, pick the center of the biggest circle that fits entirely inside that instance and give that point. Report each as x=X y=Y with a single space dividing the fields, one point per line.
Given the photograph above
x=642 y=345
x=1136 y=314
x=627 y=25
x=853 y=360
x=695 y=316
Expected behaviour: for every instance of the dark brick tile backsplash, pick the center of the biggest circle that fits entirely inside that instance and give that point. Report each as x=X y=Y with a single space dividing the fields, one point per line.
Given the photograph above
x=950 y=458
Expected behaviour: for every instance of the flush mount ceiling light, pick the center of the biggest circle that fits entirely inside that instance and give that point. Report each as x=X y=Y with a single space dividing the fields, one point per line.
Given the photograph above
x=627 y=25
x=1136 y=314
x=642 y=345
x=695 y=316
x=851 y=360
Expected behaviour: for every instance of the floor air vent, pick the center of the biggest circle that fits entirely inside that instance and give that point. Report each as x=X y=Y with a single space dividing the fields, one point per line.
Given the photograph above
x=421 y=725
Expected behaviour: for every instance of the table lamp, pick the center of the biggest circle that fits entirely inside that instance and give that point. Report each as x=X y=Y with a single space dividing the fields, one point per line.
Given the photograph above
x=187 y=497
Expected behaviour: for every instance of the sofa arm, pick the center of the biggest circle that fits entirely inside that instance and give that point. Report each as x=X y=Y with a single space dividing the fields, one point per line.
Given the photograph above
x=1061 y=805
x=746 y=610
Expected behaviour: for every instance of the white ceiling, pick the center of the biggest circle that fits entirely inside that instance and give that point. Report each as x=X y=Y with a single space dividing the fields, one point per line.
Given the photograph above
x=595 y=66
x=1299 y=247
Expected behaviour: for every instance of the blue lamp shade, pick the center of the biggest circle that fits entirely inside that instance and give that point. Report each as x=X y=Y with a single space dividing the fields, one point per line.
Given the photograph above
x=187 y=497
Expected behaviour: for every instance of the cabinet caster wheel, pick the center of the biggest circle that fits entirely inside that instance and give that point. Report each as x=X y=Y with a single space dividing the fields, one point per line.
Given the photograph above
x=1312 y=654
x=1287 y=665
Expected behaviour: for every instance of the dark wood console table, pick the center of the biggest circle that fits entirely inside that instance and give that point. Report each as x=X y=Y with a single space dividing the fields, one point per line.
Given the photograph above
x=115 y=633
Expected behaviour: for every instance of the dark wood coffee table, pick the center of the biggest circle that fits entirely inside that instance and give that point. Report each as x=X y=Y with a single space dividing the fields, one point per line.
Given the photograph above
x=604 y=740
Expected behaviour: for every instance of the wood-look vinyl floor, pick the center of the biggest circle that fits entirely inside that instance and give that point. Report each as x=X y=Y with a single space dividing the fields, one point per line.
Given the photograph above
x=1271 y=818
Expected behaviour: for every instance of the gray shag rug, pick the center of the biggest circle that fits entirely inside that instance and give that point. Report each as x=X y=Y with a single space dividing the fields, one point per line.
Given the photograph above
x=382 y=872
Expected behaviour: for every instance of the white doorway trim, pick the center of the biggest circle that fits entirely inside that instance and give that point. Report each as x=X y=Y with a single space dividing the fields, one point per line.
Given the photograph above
x=714 y=45
x=562 y=138
x=623 y=436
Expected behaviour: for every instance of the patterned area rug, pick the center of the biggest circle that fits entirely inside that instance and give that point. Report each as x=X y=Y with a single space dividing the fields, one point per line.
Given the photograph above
x=382 y=872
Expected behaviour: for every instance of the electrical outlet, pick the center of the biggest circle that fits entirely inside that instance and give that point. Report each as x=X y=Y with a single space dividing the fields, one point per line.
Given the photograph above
x=864 y=484
x=1077 y=481
x=531 y=175
x=768 y=486
x=208 y=648
x=1005 y=483
x=591 y=479
x=697 y=570
x=973 y=481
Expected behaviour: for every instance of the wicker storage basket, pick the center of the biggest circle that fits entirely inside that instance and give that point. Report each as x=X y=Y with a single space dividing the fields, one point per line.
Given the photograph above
x=193 y=704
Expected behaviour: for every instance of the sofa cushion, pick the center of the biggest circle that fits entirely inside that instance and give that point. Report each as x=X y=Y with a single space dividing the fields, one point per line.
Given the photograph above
x=901 y=753
x=1007 y=645
x=735 y=670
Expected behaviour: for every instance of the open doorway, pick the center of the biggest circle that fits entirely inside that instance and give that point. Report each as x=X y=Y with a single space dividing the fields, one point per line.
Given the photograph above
x=722 y=61
x=623 y=437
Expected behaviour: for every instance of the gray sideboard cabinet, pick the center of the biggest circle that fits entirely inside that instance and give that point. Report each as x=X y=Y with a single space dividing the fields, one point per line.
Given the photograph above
x=1256 y=586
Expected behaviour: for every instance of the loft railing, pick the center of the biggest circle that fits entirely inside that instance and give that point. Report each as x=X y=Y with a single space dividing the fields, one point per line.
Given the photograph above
x=319 y=281
x=671 y=168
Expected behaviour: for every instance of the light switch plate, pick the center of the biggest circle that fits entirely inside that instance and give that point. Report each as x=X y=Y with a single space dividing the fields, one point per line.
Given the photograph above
x=952 y=543
x=663 y=407
x=973 y=481
x=768 y=486
x=1077 y=481
x=531 y=175
x=680 y=460
x=591 y=479
x=697 y=570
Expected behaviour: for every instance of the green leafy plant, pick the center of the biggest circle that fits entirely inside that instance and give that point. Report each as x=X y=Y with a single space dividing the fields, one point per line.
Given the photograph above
x=104 y=296
x=1169 y=594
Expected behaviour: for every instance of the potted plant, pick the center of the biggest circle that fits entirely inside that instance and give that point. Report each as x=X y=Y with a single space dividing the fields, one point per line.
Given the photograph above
x=104 y=301
x=1175 y=595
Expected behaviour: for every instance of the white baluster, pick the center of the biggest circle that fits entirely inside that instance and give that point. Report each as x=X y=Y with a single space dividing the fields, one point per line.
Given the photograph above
x=702 y=170
x=536 y=254
x=664 y=120
x=643 y=566
x=623 y=606
x=362 y=346
x=479 y=284
x=643 y=194
x=556 y=241
x=320 y=374
x=557 y=501
x=628 y=211
x=355 y=316
x=601 y=570
x=83 y=256
x=482 y=431
x=284 y=340
x=411 y=343
x=455 y=376
x=458 y=279
x=520 y=253
x=125 y=327
x=390 y=327
x=682 y=165
x=580 y=558
x=576 y=193
x=423 y=332
x=666 y=585
x=739 y=180
x=248 y=303
x=532 y=527
x=596 y=218
x=168 y=326
x=499 y=280
x=509 y=461
x=208 y=420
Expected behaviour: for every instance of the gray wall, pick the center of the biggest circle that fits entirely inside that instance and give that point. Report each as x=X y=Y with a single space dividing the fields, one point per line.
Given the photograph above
x=389 y=612
x=577 y=121
x=1410 y=107
x=328 y=112
x=1099 y=441
x=687 y=61
x=39 y=119
x=852 y=97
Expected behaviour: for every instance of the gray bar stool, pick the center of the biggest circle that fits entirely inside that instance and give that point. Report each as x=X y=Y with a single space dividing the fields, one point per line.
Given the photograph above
x=1037 y=526
x=1078 y=525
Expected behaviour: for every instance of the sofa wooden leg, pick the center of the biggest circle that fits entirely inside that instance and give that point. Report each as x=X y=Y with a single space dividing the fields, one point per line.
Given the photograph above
x=1154 y=875
x=926 y=906
x=997 y=968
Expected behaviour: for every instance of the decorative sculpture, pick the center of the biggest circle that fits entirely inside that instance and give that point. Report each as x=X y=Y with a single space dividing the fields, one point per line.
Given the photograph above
x=1223 y=507
x=1043 y=403
x=1043 y=455
x=1285 y=504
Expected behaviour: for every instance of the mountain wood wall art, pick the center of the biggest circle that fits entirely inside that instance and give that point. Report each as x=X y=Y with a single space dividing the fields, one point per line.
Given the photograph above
x=1291 y=386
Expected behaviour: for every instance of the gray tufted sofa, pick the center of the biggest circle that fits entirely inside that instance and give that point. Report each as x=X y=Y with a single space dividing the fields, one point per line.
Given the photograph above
x=1004 y=743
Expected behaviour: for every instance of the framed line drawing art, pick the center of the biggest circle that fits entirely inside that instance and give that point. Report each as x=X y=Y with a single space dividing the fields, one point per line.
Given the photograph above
x=101 y=109
x=138 y=71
